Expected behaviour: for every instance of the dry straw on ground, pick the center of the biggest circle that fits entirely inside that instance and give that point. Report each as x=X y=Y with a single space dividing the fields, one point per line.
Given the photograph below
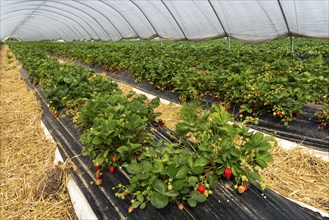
x=31 y=186
x=169 y=113
x=299 y=176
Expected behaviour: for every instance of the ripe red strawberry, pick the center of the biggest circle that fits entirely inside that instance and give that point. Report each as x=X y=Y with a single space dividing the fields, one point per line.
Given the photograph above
x=241 y=189
x=287 y=119
x=161 y=122
x=98 y=176
x=98 y=168
x=228 y=172
x=228 y=107
x=112 y=169
x=215 y=98
x=279 y=114
x=201 y=189
x=296 y=114
x=246 y=187
x=180 y=206
x=114 y=158
x=56 y=115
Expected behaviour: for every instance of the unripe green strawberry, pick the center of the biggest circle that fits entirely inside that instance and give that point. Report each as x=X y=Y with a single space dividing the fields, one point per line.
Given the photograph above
x=99 y=183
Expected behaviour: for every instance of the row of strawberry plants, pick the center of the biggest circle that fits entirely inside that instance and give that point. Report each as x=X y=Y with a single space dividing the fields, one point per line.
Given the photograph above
x=115 y=134
x=263 y=78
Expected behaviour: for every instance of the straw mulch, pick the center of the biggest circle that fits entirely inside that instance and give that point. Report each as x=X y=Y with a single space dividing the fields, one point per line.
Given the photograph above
x=299 y=176
x=169 y=113
x=32 y=187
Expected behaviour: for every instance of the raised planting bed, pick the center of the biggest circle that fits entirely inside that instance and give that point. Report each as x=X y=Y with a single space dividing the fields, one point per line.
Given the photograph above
x=225 y=203
x=265 y=81
x=304 y=129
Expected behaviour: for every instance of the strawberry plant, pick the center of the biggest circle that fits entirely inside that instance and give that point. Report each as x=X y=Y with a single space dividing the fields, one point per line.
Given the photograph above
x=323 y=115
x=229 y=148
x=115 y=124
x=172 y=172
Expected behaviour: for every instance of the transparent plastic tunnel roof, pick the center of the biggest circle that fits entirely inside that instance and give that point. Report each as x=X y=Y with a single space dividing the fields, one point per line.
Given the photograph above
x=112 y=20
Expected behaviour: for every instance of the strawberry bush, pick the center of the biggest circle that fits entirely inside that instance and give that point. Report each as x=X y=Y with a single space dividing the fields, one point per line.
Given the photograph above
x=323 y=115
x=175 y=172
x=115 y=125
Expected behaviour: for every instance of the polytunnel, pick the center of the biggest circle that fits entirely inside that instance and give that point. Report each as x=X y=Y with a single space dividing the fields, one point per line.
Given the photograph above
x=152 y=116
x=249 y=21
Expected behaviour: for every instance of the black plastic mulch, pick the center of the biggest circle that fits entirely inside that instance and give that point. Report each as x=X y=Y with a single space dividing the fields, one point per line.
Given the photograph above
x=305 y=129
x=225 y=203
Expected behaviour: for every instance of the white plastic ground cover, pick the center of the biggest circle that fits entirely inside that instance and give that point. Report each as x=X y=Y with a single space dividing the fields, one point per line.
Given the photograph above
x=149 y=96
x=47 y=133
x=81 y=206
x=287 y=145
x=322 y=213
x=80 y=203
x=106 y=20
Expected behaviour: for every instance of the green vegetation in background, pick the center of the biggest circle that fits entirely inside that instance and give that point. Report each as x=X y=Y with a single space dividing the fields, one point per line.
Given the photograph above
x=258 y=78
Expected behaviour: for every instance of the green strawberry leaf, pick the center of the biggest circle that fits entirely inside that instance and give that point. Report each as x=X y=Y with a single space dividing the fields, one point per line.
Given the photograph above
x=192 y=180
x=182 y=172
x=198 y=197
x=191 y=202
x=201 y=162
x=134 y=168
x=158 y=200
x=160 y=186
x=178 y=184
